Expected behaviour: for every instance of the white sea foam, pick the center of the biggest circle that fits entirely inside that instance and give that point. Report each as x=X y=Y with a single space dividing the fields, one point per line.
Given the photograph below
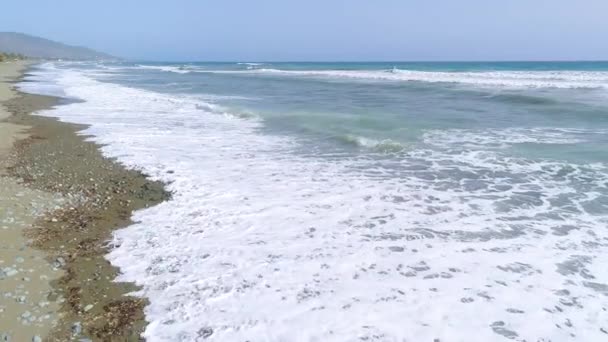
x=167 y=68
x=43 y=83
x=383 y=145
x=215 y=97
x=251 y=66
x=502 y=138
x=261 y=244
x=507 y=79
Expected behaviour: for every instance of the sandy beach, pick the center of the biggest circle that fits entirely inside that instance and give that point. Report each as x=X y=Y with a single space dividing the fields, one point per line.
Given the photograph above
x=9 y=132
x=60 y=199
x=26 y=313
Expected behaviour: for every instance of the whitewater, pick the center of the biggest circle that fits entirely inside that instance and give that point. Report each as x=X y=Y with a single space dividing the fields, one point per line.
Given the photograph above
x=350 y=220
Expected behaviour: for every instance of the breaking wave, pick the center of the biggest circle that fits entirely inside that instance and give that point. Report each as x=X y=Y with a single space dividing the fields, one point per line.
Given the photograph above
x=260 y=243
x=181 y=69
x=384 y=145
x=506 y=79
x=502 y=138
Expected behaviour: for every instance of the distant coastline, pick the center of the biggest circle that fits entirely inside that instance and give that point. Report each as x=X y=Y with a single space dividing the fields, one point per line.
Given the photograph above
x=44 y=49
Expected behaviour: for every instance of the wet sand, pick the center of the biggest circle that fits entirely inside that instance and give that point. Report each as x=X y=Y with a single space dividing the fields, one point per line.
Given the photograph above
x=80 y=197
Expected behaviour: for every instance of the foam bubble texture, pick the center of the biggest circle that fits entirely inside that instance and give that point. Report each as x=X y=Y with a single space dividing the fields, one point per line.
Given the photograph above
x=262 y=244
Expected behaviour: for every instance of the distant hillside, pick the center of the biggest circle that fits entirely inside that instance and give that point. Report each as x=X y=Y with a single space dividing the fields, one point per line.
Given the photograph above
x=36 y=47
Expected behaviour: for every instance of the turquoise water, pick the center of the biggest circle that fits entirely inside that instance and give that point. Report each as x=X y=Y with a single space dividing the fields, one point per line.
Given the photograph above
x=359 y=111
x=358 y=201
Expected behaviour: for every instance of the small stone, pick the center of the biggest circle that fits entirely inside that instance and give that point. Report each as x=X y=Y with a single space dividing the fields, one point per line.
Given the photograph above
x=21 y=299
x=26 y=315
x=36 y=339
x=88 y=307
x=59 y=262
x=76 y=328
x=5 y=337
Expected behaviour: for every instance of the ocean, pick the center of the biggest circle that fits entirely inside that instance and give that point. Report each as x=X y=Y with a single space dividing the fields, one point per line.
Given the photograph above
x=358 y=201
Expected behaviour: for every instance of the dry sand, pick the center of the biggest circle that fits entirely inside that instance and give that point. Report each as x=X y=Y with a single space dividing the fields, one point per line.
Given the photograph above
x=9 y=133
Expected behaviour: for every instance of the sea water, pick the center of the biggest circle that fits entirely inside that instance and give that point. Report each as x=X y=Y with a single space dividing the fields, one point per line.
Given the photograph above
x=358 y=201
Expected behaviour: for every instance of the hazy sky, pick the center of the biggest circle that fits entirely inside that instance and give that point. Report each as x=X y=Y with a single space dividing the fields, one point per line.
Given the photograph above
x=321 y=29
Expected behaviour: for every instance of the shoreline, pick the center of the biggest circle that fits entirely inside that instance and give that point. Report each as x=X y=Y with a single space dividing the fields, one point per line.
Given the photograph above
x=99 y=196
x=26 y=313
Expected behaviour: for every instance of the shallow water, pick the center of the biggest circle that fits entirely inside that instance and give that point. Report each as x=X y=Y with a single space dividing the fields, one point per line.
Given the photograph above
x=336 y=202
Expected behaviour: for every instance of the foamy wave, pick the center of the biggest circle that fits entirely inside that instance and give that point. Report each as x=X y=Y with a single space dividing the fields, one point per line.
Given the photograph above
x=507 y=79
x=251 y=66
x=214 y=97
x=502 y=138
x=259 y=243
x=168 y=68
x=384 y=145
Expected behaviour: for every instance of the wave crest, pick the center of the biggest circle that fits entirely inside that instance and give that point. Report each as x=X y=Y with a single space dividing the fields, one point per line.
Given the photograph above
x=506 y=79
x=385 y=145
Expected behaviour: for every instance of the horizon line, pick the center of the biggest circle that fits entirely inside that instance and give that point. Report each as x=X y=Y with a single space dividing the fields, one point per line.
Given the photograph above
x=377 y=61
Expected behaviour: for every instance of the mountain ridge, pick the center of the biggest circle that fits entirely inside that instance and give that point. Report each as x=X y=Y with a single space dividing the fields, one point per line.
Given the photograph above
x=38 y=47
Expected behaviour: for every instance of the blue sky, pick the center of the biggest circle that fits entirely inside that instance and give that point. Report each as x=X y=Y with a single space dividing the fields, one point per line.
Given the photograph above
x=321 y=29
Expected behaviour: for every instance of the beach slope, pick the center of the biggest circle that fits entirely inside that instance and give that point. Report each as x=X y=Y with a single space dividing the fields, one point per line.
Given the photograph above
x=60 y=200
